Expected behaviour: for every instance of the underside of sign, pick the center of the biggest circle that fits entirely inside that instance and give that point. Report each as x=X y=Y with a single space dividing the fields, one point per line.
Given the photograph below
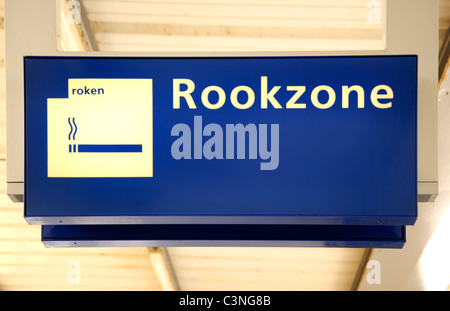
x=223 y=235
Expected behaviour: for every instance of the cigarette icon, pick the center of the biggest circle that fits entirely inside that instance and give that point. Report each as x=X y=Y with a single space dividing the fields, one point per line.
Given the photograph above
x=94 y=148
x=105 y=148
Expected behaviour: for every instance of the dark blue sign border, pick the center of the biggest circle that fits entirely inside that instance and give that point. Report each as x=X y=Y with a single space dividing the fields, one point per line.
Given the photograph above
x=392 y=202
x=223 y=235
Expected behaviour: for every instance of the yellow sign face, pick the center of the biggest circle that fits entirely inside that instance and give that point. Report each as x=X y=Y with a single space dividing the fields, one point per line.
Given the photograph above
x=104 y=129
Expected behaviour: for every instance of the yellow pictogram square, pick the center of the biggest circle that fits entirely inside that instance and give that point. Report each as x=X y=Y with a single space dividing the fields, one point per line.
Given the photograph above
x=104 y=129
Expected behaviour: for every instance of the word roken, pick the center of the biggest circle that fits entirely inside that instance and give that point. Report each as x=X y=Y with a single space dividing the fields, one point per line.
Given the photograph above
x=231 y=142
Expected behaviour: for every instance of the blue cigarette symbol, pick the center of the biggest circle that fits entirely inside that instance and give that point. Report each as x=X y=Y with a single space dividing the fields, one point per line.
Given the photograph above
x=96 y=148
x=104 y=148
x=109 y=148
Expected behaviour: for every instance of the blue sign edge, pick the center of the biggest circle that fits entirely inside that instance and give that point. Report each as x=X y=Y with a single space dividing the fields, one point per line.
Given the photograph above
x=400 y=221
x=221 y=220
x=69 y=236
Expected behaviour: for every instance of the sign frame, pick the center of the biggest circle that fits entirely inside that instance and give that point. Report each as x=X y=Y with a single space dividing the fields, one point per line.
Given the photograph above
x=224 y=219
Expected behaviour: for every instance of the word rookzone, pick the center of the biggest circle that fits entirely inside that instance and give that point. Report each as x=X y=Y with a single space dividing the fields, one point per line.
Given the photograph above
x=268 y=96
x=220 y=143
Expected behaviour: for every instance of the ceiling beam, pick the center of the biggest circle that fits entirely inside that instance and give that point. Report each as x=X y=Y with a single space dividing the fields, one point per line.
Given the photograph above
x=444 y=54
x=162 y=265
x=76 y=31
x=87 y=29
x=361 y=269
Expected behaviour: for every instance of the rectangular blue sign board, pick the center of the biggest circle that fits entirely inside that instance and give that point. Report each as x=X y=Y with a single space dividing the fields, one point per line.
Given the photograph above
x=221 y=140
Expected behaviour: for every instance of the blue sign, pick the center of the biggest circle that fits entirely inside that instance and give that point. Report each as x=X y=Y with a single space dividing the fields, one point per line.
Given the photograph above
x=221 y=140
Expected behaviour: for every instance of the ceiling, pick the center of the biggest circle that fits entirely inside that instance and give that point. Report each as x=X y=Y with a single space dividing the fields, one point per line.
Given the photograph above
x=201 y=25
x=181 y=25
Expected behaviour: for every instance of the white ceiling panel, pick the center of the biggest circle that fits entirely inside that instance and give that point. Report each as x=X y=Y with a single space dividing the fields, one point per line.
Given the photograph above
x=246 y=25
x=286 y=269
